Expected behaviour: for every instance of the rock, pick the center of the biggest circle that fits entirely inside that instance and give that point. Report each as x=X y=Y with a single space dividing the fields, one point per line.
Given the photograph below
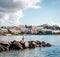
x=1 y=48
x=38 y=43
x=43 y=44
x=48 y=44
x=19 y=45
x=30 y=44
x=6 y=48
x=23 y=45
x=3 y=43
x=38 y=46
x=15 y=45
x=34 y=44
x=26 y=44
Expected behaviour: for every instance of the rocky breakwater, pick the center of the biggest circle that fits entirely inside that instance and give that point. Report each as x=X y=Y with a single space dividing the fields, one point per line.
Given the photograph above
x=17 y=45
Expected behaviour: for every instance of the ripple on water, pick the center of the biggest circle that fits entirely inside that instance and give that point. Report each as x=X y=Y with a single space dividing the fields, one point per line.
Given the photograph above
x=53 y=51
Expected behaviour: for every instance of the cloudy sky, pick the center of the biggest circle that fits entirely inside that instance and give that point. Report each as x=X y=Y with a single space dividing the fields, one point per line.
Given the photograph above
x=29 y=12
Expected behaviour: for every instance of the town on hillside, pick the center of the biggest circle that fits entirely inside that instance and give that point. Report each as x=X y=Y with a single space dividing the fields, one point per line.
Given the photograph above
x=44 y=29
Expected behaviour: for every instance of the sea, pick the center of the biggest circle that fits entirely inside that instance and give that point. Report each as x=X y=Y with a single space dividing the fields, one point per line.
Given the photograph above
x=53 y=51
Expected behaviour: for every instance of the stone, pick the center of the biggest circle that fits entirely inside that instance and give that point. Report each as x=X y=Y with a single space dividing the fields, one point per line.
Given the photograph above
x=38 y=43
x=4 y=43
x=15 y=45
x=34 y=44
x=26 y=44
x=43 y=44
x=19 y=45
x=6 y=48
x=1 y=48
x=48 y=44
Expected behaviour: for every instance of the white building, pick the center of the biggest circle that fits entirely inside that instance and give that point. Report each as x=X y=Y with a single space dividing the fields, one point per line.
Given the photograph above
x=15 y=31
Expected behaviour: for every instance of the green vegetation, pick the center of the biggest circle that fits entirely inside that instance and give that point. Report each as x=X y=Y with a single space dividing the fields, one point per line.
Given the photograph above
x=44 y=33
x=28 y=26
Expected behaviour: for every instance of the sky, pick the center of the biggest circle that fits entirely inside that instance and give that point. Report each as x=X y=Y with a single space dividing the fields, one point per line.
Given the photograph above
x=29 y=12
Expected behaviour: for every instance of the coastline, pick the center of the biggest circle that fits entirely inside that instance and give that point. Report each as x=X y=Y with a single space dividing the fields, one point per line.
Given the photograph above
x=29 y=34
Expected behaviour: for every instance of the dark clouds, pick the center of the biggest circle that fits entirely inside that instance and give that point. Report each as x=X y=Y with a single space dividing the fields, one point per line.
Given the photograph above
x=13 y=9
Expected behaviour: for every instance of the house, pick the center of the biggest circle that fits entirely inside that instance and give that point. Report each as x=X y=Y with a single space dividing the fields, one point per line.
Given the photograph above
x=15 y=31
x=3 y=31
x=56 y=31
x=34 y=29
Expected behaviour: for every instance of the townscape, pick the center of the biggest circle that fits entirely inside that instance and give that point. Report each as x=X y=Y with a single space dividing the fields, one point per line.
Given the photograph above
x=44 y=29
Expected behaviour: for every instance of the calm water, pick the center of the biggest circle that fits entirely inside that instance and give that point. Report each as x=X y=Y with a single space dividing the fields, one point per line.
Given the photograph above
x=53 y=51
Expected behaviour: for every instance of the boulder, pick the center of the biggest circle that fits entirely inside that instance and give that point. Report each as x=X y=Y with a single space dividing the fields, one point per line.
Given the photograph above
x=19 y=45
x=1 y=48
x=3 y=43
x=48 y=44
x=6 y=48
x=26 y=44
x=38 y=43
x=34 y=44
x=15 y=45
x=23 y=44
x=43 y=44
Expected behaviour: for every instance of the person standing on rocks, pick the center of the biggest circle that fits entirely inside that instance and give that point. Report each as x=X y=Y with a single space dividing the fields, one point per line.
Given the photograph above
x=22 y=41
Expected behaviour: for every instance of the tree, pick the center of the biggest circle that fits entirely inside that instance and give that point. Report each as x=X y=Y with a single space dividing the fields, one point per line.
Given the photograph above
x=48 y=32
x=40 y=32
x=28 y=26
x=10 y=32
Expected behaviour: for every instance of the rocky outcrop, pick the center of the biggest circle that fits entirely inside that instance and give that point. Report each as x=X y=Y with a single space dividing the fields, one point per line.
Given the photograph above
x=1 y=48
x=48 y=44
x=26 y=44
x=4 y=46
x=4 y=43
x=17 y=45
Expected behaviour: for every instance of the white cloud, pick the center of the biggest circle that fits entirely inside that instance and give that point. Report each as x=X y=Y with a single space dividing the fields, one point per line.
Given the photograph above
x=12 y=10
x=14 y=18
x=34 y=6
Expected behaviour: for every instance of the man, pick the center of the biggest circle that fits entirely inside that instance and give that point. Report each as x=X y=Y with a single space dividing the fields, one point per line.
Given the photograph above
x=22 y=41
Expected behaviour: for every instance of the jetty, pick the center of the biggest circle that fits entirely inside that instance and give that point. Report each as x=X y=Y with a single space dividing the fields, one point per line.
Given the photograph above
x=18 y=45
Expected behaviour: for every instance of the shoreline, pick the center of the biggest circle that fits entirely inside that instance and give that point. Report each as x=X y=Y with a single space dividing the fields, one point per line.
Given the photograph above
x=28 y=34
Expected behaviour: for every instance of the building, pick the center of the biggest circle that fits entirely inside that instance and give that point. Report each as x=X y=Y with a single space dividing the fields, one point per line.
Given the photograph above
x=3 y=31
x=15 y=31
